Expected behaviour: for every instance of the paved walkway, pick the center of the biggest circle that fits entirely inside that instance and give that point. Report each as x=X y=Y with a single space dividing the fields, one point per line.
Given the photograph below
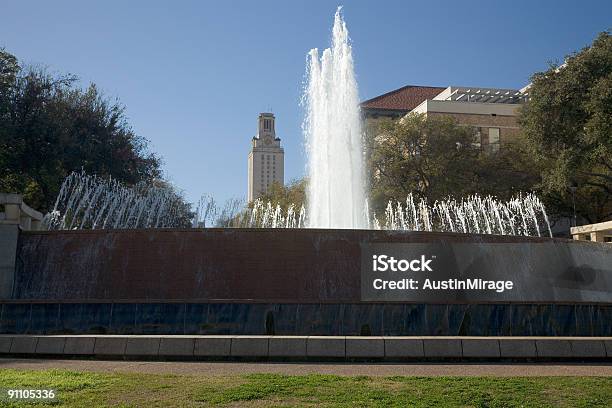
x=378 y=369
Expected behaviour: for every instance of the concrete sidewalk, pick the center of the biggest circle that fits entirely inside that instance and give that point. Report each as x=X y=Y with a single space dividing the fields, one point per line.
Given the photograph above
x=208 y=368
x=307 y=348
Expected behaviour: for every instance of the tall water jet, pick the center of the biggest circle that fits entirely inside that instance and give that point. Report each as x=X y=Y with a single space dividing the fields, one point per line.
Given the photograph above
x=332 y=128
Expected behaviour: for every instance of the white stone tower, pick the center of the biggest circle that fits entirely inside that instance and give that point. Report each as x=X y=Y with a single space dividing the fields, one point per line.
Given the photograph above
x=266 y=158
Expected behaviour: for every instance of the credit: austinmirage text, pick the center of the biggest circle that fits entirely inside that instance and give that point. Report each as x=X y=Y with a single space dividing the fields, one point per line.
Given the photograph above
x=385 y=263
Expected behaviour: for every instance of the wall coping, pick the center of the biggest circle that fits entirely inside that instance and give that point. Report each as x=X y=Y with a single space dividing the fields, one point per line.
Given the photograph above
x=308 y=348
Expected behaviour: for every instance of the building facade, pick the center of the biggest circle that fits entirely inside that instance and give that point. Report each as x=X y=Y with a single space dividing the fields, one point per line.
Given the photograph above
x=394 y=105
x=491 y=112
x=266 y=161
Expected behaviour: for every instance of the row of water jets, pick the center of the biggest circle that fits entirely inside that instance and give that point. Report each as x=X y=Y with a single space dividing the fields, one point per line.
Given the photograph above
x=91 y=202
x=521 y=215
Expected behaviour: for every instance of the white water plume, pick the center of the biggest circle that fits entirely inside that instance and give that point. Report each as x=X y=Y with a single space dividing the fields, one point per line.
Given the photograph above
x=332 y=129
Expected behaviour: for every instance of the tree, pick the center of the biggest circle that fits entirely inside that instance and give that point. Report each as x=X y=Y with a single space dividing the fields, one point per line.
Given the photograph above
x=293 y=193
x=182 y=208
x=568 y=125
x=49 y=127
x=433 y=158
x=507 y=172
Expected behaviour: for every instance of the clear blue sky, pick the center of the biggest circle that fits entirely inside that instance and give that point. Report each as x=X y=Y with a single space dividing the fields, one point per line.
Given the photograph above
x=194 y=75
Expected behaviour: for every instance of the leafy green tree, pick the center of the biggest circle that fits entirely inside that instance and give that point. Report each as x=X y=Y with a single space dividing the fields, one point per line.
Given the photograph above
x=434 y=158
x=568 y=125
x=293 y=193
x=49 y=127
x=508 y=171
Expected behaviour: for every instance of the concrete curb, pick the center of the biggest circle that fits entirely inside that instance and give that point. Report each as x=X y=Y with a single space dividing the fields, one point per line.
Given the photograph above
x=308 y=347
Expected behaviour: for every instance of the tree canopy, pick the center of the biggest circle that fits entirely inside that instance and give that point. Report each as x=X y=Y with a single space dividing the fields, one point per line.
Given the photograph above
x=293 y=193
x=434 y=158
x=568 y=126
x=50 y=127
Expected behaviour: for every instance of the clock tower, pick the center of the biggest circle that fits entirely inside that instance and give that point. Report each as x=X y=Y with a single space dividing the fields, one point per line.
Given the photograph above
x=266 y=158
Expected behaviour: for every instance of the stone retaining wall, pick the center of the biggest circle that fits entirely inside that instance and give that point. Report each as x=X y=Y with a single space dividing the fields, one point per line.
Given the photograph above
x=291 y=265
x=297 y=282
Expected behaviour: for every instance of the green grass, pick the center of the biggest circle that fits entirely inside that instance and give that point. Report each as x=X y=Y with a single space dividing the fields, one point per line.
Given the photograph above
x=84 y=389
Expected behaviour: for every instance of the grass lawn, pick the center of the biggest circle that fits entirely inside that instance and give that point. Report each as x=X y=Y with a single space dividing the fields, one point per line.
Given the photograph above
x=86 y=389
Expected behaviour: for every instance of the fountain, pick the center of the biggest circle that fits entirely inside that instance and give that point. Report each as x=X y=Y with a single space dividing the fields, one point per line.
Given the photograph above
x=91 y=202
x=305 y=270
x=336 y=193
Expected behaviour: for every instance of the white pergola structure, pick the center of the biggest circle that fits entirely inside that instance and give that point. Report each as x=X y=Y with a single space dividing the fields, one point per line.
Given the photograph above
x=483 y=95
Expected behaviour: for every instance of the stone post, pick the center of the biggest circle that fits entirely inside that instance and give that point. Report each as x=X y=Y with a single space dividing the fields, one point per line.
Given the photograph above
x=16 y=216
x=9 y=234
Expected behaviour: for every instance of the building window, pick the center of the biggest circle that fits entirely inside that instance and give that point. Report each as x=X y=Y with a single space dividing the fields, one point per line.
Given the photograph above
x=477 y=138
x=494 y=139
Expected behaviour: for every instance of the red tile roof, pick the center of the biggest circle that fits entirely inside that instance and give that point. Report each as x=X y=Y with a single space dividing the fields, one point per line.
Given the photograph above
x=403 y=99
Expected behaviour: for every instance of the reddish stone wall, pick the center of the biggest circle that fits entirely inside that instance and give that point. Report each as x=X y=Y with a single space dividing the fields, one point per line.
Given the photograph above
x=205 y=265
